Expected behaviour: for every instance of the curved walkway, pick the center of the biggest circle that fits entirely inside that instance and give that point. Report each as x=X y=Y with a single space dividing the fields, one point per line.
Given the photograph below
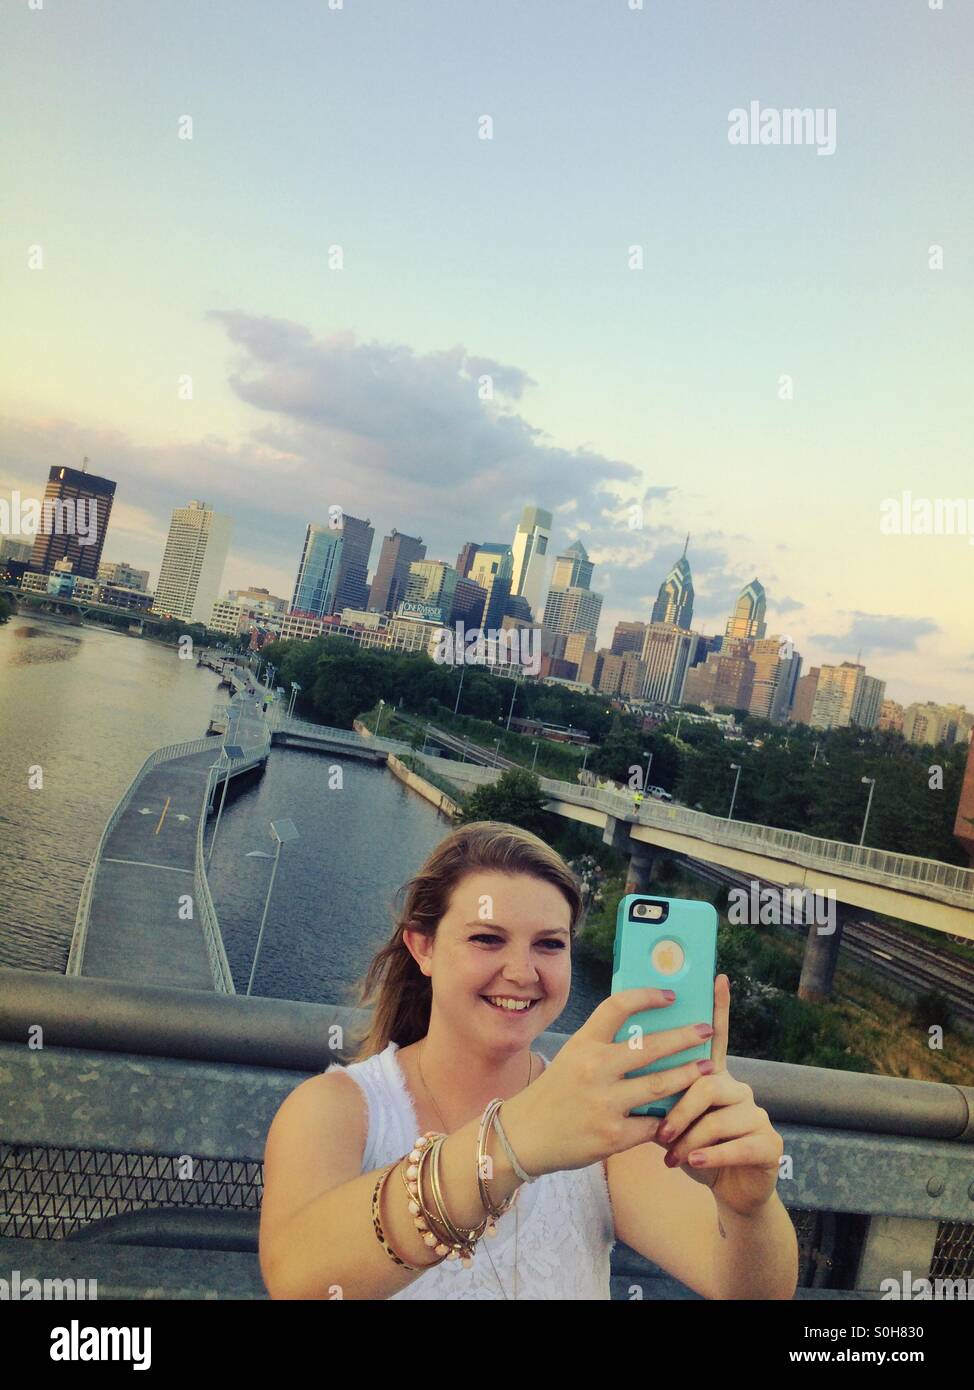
x=146 y=915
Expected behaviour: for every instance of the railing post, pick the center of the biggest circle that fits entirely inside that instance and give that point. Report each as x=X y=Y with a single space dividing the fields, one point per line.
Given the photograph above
x=894 y=1247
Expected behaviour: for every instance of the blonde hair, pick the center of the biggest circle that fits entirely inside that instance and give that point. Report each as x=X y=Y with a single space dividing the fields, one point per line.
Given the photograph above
x=398 y=992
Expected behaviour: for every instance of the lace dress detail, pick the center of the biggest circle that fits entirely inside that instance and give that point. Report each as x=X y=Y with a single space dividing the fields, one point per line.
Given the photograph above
x=566 y=1230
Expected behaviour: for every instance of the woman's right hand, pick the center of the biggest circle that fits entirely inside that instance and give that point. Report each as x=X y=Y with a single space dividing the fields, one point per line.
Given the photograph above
x=577 y=1112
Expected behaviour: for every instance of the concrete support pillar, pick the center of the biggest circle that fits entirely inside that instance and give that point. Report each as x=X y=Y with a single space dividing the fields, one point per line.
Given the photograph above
x=639 y=876
x=821 y=957
x=642 y=856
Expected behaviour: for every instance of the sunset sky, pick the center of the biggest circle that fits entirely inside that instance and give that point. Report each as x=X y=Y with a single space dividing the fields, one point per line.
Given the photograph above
x=356 y=128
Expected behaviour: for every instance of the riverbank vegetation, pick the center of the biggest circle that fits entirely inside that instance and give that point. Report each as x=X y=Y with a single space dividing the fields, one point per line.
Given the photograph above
x=792 y=777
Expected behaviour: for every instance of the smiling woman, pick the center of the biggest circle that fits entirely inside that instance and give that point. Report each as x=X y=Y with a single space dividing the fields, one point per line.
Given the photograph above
x=449 y=1161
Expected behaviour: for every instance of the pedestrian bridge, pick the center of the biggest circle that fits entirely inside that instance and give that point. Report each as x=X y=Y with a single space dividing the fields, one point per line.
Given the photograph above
x=925 y=891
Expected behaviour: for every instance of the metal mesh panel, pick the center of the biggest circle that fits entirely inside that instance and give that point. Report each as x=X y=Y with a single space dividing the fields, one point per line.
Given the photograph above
x=953 y=1253
x=45 y=1193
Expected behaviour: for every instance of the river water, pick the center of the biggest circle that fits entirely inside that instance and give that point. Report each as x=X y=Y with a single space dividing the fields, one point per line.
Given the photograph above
x=80 y=710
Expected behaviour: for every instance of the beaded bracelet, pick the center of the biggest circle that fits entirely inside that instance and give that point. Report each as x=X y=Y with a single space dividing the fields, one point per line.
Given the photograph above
x=438 y=1232
x=377 y=1223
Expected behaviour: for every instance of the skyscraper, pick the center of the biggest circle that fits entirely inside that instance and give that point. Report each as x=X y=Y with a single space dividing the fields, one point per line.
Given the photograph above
x=628 y=637
x=74 y=519
x=465 y=558
x=666 y=656
x=192 y=566
x=572 y=610
x=846 y=695
x=747 y=619
x=352 y=589
x=317 y=577
x=674 y=602
x=432 y=583
x=530 y=554
x=492 y=568
x=573 y=569
x=333 y=567
x=392 y=572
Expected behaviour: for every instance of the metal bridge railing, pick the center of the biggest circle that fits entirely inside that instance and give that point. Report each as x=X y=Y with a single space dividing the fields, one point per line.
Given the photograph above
x=878 y=1181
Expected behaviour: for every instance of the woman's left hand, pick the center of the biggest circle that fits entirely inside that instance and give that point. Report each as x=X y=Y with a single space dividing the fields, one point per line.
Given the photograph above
x=717 y=1121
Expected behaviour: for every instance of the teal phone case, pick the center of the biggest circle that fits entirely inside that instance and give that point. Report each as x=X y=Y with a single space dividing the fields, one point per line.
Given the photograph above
x=692 y=926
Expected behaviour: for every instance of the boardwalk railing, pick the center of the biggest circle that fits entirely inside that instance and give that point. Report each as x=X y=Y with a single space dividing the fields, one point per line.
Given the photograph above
x=349 y=736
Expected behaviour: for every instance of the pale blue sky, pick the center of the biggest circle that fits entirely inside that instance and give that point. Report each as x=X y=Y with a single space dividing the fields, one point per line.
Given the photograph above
x=357 y=127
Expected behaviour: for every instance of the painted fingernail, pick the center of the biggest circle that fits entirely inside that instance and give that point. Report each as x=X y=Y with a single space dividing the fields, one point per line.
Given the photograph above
x=665 y=1132
x=698 y=1160
x=705 y=1068
x=671 y=1160
x=705 y=1030
x=668 y=994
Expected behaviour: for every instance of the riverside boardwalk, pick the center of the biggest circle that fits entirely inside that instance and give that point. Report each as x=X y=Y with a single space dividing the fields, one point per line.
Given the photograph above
x=146 y=915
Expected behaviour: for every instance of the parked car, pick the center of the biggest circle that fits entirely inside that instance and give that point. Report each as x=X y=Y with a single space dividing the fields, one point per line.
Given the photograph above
x=660 y=793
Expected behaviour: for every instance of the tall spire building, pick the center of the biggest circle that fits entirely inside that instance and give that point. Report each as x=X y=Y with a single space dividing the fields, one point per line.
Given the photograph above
x=747 y=620
x=674 y=602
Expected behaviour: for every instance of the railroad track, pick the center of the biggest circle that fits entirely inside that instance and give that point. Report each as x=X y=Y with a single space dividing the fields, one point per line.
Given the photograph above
x=894 y=954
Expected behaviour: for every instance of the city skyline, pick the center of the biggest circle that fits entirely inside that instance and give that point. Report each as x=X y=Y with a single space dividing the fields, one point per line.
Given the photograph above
x=311 y=386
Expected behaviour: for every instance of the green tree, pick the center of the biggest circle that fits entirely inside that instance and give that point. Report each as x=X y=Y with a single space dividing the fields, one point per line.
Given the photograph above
x=515 y=798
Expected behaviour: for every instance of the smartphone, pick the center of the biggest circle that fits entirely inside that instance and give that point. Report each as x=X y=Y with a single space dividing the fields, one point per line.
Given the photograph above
x=666 y=943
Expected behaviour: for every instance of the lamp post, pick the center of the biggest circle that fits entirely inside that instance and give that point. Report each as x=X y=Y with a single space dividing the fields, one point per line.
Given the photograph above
x=378 y=719
x=585 y=758
x=497 y=744
x=283 y=832
x=294 y=695
x=734 y=795
x=648 y=766
x=535 y=758
x=507 y=726
x=230 y=751
x=865 y=822
x=463 y=672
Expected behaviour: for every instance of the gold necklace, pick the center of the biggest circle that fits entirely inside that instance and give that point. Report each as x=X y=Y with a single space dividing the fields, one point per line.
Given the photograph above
x=517 y=1213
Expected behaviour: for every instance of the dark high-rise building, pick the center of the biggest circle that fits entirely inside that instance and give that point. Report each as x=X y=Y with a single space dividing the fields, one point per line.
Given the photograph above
x=628 y=637
x=392 y=572
x=352 y=589
x=469 y=602
x=74 y=519
x=465 y=558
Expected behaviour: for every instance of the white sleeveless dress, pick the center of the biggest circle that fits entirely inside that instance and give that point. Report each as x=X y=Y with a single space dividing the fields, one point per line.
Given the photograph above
x=566 y=1229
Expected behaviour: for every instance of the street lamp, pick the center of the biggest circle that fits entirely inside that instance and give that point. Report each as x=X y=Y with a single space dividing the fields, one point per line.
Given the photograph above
x=585 y=758
x=648 y=766
x=497 y=744
x=511 y=710
x=463 y=672
x=378 y=719
x=734 y=795
x=283 y=831
x=294 y=695
x=872 y=788
x=230 y=751
x=535 y=758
